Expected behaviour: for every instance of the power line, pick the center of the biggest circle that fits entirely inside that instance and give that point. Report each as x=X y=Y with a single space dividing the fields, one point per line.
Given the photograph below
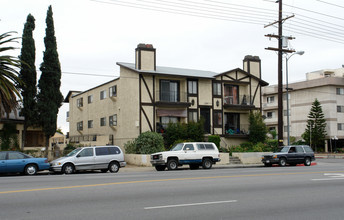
x=330 y=3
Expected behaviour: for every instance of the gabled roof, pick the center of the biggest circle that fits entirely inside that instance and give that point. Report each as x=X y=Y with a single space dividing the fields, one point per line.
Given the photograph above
x=172 y=71
x=262 y=82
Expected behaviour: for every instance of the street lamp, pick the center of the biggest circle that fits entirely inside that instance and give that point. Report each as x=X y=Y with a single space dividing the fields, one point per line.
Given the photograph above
x=287 y=88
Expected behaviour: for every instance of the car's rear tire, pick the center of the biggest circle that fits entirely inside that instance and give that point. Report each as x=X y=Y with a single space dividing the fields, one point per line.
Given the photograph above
x=30 y=169
x=207 y=163
x=308 y=161
x=172 y=164
x=114 y=167
x=160 y=167
x=68 y=169
x=282 y=162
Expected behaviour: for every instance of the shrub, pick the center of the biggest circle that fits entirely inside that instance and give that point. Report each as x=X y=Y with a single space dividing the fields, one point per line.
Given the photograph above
x=130 y=147
x=149 y=142
x=215 y=139
x=69 y=148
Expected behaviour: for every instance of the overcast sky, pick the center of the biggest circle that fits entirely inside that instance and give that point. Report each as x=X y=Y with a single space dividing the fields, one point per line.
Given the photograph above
x=212 y=35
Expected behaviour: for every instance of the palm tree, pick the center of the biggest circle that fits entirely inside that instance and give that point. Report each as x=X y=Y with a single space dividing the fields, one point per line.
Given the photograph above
x=9 y=80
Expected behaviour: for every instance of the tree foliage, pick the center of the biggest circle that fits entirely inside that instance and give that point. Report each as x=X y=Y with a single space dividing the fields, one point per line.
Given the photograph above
x=9 y=137
x=181 y=132
x=257 y=128
x=146 y=143
x=28 y=75
x=315 y=132
x=49 y=96
x=9 y=80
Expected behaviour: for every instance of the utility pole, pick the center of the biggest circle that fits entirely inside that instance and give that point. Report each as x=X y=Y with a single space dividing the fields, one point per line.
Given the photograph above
x=280 y=68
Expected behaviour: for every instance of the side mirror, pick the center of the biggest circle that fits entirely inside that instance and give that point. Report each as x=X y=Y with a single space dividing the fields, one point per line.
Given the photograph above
x=78 y=155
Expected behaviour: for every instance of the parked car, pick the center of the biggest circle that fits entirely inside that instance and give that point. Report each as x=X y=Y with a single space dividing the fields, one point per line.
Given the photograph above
x=17 y=162
x=292 y=155
x=194 y=154
x=102 y=158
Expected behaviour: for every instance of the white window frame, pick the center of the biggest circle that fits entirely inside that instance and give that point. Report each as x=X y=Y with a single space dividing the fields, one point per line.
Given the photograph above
x=113 y=120
x=89 y=99
x=113 y=91
x=102 y=94
x=102 y=121
x=79 y=126
x=80 y=102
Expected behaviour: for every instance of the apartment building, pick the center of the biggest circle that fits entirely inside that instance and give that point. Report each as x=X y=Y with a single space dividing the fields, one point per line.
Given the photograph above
x=146 y=97
x=325 y=85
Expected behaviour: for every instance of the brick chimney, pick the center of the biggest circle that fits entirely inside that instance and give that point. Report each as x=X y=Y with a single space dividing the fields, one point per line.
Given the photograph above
x=145 y=58
x=252 y=65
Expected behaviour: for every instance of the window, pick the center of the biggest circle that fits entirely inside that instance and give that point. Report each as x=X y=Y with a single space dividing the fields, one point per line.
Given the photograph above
x=79 y=102
x=232 y=123
x=269 y=114
x=166 y=120
x=113 y=91
x=192 y=87
x=100 y=151
x=103 y=121
x=270 y=99
x=188 y=147
x=340 y=126
x=169 y=91
x=340 y=108
x=113 y=120
x=3 y=155
x=192 y=116
x=209 y=146
x=217 y=119
x=217 y=88
x=90 y=124
x=79 y=126
x=231 y=94
x=67 y=114
x=16 y=155
x=102 y=95
x=272 y=128
x=200 y=147
x=88 y=152
x=89 y=99
x=340 y=91
x=114 y=150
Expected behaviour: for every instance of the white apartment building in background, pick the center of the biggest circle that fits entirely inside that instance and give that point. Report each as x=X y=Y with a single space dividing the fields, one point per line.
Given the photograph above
x=325 y=85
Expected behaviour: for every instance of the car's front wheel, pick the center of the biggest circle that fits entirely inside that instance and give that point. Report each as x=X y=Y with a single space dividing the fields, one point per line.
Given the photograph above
x=172 y=164
x=207 y=163
x=282 y=162
x=307 y=161
x=31 y=169
x=68 y=169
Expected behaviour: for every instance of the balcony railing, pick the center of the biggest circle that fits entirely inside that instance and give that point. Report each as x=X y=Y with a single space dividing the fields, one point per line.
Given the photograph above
x=237 y=100
x=235 y=130
x=172 y=97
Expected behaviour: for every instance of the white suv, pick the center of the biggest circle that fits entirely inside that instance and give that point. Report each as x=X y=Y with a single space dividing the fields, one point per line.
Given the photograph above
x=195 y=154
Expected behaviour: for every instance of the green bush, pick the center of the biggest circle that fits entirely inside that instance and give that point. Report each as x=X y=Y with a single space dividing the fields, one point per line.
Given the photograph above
x=130 y=147
x=69 y=148
x=215 y=139
x=149 y=142
x=193 y=131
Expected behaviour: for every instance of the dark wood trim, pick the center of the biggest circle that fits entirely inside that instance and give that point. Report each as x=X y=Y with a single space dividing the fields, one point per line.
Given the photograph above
x=149 y=93
x=140 y=104
x=144 y=113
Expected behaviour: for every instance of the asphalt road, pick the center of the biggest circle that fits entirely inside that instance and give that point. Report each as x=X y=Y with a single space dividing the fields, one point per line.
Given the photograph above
x=314 y=192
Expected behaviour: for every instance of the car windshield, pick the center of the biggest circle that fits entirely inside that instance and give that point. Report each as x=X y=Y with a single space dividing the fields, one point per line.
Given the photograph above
x=177 y=147
x=73 y=152
x=282 y=150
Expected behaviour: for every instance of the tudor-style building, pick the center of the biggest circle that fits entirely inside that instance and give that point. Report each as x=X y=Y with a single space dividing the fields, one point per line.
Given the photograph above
x=146 y=97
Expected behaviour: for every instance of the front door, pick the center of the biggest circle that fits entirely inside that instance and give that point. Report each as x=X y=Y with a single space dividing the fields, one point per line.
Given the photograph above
x=205 y=114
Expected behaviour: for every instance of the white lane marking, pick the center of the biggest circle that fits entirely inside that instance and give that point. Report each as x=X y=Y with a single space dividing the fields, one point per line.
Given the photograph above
x=333 y=176
x=190 y=204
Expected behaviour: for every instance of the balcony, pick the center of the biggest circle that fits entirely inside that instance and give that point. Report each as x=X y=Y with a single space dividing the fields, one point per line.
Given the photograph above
x=171 y=99
x=238 y=102
x=236 y=131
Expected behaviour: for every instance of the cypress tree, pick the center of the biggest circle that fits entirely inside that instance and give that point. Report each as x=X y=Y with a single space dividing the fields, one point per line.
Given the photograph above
x=315 y=132
x=49 y=96
x=257 y=128
x=28 y=75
